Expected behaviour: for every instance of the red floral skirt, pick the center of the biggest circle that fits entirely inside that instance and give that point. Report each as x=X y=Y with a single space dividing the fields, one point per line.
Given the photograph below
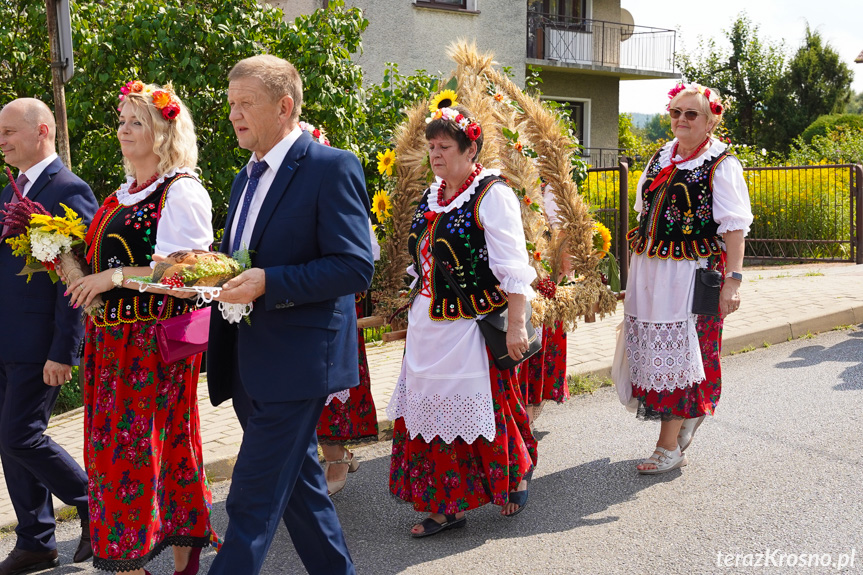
x=700 y=398
x=440 y=477
x=142 y=448
x=543 y=375
x=356 y=419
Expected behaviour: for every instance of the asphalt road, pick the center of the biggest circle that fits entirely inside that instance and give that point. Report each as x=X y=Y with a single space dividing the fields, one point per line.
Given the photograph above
x=776 y=474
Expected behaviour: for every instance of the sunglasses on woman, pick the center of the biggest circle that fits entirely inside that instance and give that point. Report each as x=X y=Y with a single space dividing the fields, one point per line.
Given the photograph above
x=690 y=115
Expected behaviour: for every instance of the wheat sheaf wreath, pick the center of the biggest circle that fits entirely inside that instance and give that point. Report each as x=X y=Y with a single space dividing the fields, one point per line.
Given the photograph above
x=529 y=144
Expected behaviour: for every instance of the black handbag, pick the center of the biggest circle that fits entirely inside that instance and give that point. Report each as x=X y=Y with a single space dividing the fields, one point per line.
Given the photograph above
x=493 y=326
x=705 y=298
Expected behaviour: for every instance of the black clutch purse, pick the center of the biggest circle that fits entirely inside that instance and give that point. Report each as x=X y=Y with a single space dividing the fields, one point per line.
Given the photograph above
x=705 y=299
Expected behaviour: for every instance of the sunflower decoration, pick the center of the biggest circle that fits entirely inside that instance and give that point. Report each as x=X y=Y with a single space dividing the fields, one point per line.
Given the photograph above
x=446 y=99
x=382 y=205
x=386 y=161
x=601 y=239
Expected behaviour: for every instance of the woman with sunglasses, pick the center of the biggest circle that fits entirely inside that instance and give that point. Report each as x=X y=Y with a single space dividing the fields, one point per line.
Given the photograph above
x=694 y=211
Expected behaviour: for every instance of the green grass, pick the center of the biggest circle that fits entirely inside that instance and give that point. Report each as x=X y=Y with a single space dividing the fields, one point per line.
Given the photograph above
x=843 y=327
x=807 y=335
x=812 y=274
x=580 y=384
x=746 y=349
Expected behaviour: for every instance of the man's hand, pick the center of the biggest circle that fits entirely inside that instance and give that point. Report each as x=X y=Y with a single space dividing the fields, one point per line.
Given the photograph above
x=55 y=374
x=245 y=288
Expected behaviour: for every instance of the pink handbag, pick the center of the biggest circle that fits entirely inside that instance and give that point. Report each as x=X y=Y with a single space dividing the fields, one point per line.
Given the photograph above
x=184 y=335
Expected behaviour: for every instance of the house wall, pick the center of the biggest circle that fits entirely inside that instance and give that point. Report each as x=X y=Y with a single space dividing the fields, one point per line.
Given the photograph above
x=417 y=38
x=601 y=91
x=294 y=8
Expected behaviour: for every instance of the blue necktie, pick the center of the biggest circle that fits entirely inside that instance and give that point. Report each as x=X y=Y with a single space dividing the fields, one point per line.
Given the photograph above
x=258 y=169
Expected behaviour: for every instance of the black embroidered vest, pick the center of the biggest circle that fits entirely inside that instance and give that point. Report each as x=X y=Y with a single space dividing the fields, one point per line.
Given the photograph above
x=458 y=238
x=676 y=218
x=126 y=236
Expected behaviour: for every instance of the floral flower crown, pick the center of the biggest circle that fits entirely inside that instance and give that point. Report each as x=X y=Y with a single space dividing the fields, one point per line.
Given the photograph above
x=164 y=100
x=442 y=106
x=469 y=126
x=712 y=99
x=316 y=133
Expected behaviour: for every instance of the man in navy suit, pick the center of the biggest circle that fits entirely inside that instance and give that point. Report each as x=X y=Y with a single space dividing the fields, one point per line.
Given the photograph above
x=39 y=341
x=301 y=208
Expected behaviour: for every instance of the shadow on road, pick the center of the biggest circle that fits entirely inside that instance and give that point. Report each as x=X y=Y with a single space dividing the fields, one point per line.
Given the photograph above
x=575 y=497
x=849 y=350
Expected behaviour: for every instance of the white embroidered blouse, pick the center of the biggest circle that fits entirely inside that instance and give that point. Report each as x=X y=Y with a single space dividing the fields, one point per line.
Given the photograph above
x=187 y=218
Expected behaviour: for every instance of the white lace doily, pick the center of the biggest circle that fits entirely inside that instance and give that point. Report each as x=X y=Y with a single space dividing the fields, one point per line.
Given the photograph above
x=232 y=312
x=663 y=356
x=445 y=416
x=342 y=396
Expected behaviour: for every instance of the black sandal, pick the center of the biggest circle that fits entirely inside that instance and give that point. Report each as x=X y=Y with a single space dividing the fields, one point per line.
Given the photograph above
x=520 y=497
x=432 y=527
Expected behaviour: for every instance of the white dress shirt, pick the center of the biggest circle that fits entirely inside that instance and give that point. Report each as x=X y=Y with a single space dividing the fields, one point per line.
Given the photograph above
x=274 y=159
x=34 y=171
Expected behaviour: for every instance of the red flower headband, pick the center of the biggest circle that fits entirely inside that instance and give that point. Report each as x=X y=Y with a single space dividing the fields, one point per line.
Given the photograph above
x=715 y=105
x=469 y=126
x=163 y=100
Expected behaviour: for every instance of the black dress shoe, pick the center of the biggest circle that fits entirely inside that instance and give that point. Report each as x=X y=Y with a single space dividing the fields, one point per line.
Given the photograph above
x=23 y=561
x=84 y=550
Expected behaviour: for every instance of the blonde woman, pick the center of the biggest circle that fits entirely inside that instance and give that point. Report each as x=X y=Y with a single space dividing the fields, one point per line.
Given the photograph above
x=694 y=212
x=142 y=446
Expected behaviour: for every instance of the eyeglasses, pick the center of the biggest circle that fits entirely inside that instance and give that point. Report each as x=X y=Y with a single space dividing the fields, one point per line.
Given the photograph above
x=690 y=115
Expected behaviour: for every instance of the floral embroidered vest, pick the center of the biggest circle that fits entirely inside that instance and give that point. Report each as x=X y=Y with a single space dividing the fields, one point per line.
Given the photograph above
x=126 y=236
x=458 y=238
x=676 y=218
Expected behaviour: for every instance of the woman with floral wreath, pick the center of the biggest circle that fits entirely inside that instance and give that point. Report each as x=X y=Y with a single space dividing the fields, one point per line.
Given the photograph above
x=142 y=447
x=461 y=437
x=350 y=415
x=694 y=211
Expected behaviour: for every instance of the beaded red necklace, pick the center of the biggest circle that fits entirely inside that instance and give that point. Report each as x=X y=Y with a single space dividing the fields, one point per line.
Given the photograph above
x=136 y=188
x=440 y=193
x=691 y=156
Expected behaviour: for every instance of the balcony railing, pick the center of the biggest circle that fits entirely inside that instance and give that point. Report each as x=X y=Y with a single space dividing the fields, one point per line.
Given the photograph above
x=596 y=42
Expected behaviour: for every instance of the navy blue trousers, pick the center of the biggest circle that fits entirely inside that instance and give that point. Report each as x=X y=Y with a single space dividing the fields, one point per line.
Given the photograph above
x=278 y=474
x=34 y=466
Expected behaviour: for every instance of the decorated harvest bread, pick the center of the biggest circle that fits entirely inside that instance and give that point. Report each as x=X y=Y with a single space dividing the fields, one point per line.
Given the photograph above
x=195 y=268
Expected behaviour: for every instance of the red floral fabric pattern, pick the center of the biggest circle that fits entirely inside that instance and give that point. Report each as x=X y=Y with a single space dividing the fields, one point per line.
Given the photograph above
x=700 y=398
x=357 y=418
x=439 y=477
x=543 y=375
x=142 y=448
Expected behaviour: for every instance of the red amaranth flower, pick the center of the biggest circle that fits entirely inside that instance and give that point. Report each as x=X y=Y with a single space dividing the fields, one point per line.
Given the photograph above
x=17 y=216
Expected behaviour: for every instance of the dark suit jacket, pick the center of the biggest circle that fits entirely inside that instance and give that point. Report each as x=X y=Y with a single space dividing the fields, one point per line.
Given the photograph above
x=38 y=323
x=312 y=239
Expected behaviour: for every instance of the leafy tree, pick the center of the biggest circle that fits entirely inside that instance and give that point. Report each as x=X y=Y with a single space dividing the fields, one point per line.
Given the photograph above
x=816 y=82
x=387 y=103
x=745 y=74
x=24 y=59
x=826 y=124
x=658 y=128
x=193 y=44
x=626 y=138
x=855 y=104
